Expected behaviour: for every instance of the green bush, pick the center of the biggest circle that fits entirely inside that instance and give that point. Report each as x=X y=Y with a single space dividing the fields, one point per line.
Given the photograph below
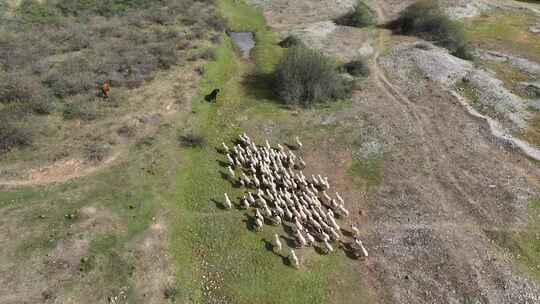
x=426 y=20
x=361 y=16
x=358 y=68
x=32 y=11
x=291 y=41
x=306 y=77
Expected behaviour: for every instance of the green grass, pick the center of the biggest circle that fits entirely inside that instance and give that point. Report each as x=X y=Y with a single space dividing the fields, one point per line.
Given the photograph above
x=505 y=31
x=211 y=243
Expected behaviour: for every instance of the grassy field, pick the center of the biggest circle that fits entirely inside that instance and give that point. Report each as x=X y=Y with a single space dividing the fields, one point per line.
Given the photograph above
x=214 y=256
x=221 y=247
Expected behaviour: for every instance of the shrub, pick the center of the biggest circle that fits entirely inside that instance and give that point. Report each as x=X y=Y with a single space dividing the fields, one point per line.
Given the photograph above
x=192 y=140
x=80 y=108
x=97 y=152
x=426 y=20
x=306 y=77
x=32 y=11
x=357 y=68
x=12 y=136
x=290 y=41
x=361 y=16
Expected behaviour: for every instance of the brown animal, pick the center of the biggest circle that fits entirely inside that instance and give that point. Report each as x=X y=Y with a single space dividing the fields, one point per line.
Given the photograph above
x=105 y=89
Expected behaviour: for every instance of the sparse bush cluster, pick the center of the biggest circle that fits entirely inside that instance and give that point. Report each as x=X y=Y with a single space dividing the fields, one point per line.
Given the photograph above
x=427 y=20
x=360 y=16
x=12 y=136
x=306 y=77
x=53 y=51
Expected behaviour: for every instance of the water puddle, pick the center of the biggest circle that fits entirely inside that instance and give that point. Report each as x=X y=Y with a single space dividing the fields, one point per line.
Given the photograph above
x=245 y=41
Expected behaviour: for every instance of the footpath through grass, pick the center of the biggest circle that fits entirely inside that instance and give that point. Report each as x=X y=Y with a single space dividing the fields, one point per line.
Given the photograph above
x=218 y=256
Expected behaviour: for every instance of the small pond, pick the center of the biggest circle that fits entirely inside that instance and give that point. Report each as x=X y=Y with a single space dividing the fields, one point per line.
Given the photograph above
x=245 y=41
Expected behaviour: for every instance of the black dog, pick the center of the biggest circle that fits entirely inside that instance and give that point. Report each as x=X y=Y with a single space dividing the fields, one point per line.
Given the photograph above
x=212 y=96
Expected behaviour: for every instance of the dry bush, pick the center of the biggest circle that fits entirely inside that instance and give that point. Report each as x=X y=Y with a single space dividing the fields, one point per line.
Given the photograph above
x=12 y=136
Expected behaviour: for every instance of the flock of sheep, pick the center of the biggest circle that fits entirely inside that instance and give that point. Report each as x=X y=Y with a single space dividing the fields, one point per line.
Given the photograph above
x=284 y=196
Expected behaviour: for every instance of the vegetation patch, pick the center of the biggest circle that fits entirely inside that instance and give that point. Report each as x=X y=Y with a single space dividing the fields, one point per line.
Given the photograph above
x=361 y=16
x=306 y=77
x=532 y=133
x=506 y=32
x=428 y=21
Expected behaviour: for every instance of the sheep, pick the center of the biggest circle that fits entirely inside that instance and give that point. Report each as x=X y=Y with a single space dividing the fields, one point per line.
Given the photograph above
x=293 y=259
x=360 y=245
x=277 y=243
x=225 y=148
x=343 y=210
x=298 y=143
x=340 y=199
x=328 y=247
x=231 y=171
x=258 y=224
x=245 y=203
x=228 y=203
x=258 y=215
x=354 y=231
x=300 y=239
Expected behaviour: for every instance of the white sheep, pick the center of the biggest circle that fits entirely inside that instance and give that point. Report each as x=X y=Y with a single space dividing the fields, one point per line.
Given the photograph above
x=258 y=224
x=298 y=143
x=231 y=171
x=293 y=259
x=355 y=231
x=359 y=243
x=228 y=203
x=328 y=247
x=277 y=243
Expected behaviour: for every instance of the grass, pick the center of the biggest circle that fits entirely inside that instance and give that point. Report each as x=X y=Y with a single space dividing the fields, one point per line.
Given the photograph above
x=510 y=76
x=524 y=246
x=532 y=133
x=212 y=243
x=369 y=171
x=166 y=180
x=505 y=31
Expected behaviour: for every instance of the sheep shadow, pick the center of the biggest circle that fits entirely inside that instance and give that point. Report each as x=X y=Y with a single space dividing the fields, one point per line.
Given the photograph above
x=347 y=233
x=234 y=183
x=292 y=147
x=250 y=222
x=218 y=204
x=222 y=164
x=220 y=150
x=291 y=242
x=270 y=247
x=349 y=250
x=320 y=249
